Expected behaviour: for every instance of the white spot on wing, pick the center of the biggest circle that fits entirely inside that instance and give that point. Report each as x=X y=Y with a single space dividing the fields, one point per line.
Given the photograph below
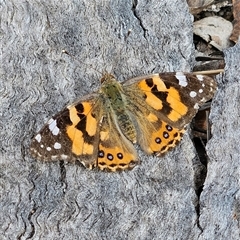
x=181 y=78
x=49 y=149
x=52 y=125
x=50 y=121
x=38 y=137
x=196 y=106
x=55 y=131
x=193 y=94
x=57 y=145
x=199 y=77
x=63 y=156
x=200 y=91
x=54 y=157
x=40 y=155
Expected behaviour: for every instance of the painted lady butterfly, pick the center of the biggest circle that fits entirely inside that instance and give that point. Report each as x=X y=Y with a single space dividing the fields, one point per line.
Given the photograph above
x=99 y=130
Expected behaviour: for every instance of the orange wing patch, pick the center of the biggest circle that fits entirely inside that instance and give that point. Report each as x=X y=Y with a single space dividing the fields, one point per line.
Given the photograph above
x=159 y=97
x=178 y=108
x=115 y=158
x=115 y=151
x=83 y=128
x=165 y=138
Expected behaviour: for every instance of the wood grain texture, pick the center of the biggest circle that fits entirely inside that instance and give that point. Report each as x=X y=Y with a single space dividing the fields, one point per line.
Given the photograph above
x=156 y=200
x=220 y=199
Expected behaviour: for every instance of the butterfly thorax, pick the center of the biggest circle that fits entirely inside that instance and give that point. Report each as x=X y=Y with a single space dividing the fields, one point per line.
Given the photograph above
x=116 y=105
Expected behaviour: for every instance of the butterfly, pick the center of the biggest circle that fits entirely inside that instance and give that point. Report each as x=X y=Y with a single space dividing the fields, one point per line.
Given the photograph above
x=101 y=129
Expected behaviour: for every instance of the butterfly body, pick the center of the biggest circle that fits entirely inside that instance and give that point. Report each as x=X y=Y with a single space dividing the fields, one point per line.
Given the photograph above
x=100 y=129
x=114 y=103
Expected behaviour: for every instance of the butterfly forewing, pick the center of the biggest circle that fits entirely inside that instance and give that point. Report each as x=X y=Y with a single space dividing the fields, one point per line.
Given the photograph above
x=175 y=96
x=72 y=134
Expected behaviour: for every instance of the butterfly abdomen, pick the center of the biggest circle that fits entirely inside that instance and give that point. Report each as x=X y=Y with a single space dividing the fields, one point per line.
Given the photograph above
x=116 y=105
x=126 y=125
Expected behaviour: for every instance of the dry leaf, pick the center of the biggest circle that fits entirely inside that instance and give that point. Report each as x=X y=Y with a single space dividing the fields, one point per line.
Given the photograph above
x=196 y=6
x=236 y=23
x=214 y=30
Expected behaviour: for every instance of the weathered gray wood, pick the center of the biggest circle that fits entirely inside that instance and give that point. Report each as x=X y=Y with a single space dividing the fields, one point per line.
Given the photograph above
x=220 y=199
x=156 y=200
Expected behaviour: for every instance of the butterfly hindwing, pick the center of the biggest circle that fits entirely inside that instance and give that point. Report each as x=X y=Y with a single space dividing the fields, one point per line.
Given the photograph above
x=116 y=152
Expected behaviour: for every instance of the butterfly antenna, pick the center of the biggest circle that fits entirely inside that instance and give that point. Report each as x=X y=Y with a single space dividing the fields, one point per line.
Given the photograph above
x=79 y=61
